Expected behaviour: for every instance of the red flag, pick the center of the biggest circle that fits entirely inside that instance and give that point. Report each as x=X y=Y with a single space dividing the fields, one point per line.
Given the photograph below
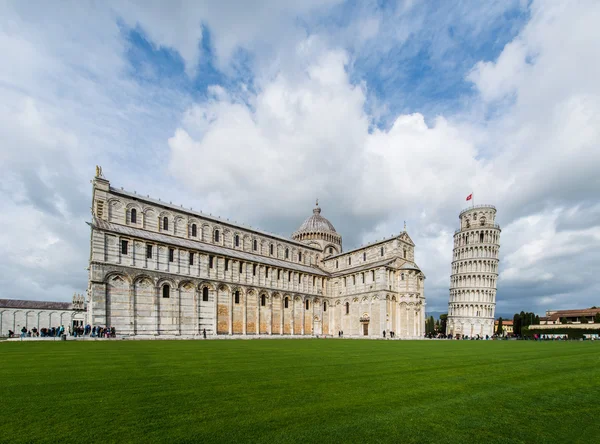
x=470 y=196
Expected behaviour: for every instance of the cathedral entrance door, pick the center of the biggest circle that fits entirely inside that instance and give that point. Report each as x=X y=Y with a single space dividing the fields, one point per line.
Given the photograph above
x=365 y=329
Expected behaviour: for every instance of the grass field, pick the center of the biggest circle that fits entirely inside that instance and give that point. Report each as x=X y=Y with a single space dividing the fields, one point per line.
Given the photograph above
x=300 y=391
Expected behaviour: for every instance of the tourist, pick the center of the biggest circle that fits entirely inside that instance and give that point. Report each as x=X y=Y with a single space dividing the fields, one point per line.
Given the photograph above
x=204 y=333
x=23 y=332
x=384 y=333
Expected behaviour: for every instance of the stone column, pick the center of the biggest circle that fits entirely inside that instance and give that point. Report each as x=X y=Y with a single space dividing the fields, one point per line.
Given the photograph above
x=230 y=314
x=216 y=318
x=179 y=310
x=303 y=315
x=258 y=301
x=270 y=315
x=293 y=331
x=156 y=309
x=133 y=320
x=197 y=296
x=245 y=319
x=281 y=317
x=382 y=314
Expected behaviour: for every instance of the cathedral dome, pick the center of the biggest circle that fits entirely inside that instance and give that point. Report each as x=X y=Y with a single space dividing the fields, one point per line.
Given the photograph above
x=316 y=223
x=317 y=231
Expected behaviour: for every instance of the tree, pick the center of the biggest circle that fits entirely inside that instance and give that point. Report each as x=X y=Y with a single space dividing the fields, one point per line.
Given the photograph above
x=584 y=320
x=563 y=320
x=499 y=329
x=429 y=325
x=597 y=318
x=517 y=324
x=537 y=320
x=443 y=321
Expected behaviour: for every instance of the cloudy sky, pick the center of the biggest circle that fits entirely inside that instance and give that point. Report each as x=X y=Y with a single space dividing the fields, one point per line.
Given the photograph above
x=386 y=111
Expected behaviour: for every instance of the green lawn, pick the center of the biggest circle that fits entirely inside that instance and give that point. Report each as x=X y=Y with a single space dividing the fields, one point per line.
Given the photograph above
x=300 y=391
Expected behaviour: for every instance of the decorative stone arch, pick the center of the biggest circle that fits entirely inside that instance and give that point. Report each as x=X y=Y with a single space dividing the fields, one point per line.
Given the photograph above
x=247 y=242
x=138 y=209
x=114 y=204
x=143 y=276
x=194 y=221
x=109 y=277
x=216 y=228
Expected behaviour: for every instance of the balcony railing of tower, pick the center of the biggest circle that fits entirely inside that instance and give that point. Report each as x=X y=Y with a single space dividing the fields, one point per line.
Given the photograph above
x=478 y=226
x=476 y=206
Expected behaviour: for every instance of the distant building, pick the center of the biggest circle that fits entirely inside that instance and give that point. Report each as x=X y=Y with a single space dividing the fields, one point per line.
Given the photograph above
x=572 y=316
x=16 y=314
x=507 y=327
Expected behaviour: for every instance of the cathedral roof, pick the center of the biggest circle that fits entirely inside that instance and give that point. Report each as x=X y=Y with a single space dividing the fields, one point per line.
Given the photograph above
x=316 y=223
x=26 y=304
x=202 y=246
x=409 y=266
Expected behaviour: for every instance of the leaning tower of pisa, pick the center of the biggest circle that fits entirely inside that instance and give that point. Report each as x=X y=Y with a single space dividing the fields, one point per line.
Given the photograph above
x=474 y=273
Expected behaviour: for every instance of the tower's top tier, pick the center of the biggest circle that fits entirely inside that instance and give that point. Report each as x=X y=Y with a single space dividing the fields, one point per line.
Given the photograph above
x=476 y=216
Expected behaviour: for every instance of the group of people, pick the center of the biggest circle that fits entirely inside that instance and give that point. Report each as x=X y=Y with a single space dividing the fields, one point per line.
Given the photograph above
x=43 y=332
x=391 y=334
x=77 y=331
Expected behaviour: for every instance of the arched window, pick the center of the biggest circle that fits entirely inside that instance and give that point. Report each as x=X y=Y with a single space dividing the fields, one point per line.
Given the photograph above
x=286 y=302
x=330 y=250
x=481 y=238
x=307 y=304
x=205 y=294
x=165 y=223
x=402 y=276
x=237 y=297
x=166 y=291
x=263 y=300
x=237 y=240
x=255 y=245
x=349 y=261
x=373 y=275
x=353 y=279
x=382 y=251
x=314 y=280
x=216 y=235
x=194 y=230
x=324 y=305
x=133 y=216
x=404 y=254
x=271 y=249
x=336 y=264
x=287 y=253
x=299 y=256
x=347 y=307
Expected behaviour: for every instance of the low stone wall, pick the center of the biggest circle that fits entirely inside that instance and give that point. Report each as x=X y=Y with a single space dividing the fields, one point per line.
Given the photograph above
x=567 y=326
x=199 y=337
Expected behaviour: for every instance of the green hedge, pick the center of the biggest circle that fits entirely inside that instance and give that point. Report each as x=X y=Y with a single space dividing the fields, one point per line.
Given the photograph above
x=573 y=333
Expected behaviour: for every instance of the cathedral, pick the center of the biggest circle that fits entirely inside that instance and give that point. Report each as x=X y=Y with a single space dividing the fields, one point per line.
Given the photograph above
x=157 y=269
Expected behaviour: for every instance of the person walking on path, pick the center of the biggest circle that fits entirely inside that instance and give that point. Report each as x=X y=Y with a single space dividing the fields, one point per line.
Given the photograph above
x=204 y=333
